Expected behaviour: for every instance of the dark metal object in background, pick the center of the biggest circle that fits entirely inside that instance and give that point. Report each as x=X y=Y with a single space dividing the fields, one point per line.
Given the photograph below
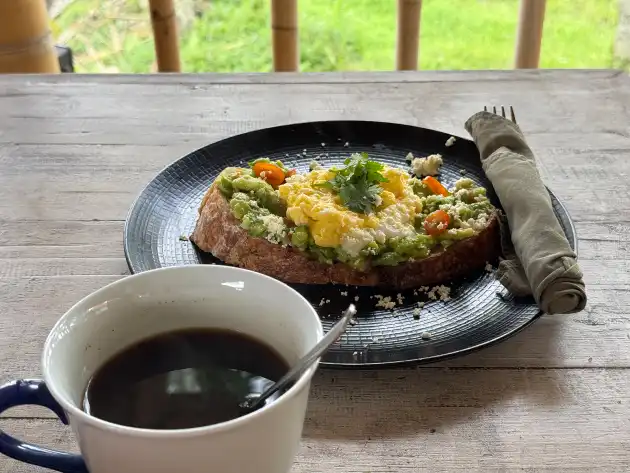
x=66 y=62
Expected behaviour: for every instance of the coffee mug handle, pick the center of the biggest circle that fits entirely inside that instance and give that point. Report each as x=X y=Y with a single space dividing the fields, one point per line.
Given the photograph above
x=34 y=392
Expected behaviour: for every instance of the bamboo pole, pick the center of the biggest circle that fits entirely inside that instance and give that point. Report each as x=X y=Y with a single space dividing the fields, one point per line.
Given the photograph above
x=408 y=34
x=529 y=35
x=26 y=44
x=284 y=35
x=164 y=23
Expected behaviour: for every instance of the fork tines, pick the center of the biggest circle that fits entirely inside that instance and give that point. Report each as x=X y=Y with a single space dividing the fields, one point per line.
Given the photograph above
x=494 y=110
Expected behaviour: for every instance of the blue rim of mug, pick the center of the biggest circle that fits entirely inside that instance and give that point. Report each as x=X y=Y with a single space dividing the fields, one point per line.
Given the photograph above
x=76 y=412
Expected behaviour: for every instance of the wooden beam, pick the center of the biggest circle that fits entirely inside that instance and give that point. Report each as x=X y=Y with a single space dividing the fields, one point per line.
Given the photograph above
x=284 y=35
x=408 y=34
x=529 y=35
x=165 y=36
x=26 y=44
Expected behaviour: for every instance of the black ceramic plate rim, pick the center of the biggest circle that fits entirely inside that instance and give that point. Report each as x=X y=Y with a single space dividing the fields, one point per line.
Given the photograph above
x=362 y=365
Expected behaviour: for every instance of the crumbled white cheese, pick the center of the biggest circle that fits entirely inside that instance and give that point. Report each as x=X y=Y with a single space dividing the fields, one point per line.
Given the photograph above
x=353 y=321
x=409 y=157
x=489 y=267
x=327 y=301
x=275 y=226
x=346 y=144
x=416 y=313
x=450 y=141
x=399 y=298
x=356 y=298
x=426 y=335
x=462 y=171
x=322 y=302
x=421 y=304
x=385 y=302
x=444 y=292
x=355 y=240
x=323 y=145
x=344 y=293
x=428 y=166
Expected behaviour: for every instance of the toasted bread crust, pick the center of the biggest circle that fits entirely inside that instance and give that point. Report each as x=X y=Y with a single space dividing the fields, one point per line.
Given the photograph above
x=218 y=232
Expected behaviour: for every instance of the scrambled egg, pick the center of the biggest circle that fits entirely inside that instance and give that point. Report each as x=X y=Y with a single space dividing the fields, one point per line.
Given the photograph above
x=332 y=225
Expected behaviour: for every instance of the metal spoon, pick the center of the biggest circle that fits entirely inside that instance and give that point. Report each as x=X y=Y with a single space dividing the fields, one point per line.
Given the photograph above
x=254 y=402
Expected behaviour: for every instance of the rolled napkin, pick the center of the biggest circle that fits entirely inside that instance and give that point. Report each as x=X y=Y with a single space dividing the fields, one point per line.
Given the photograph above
x=538 y=260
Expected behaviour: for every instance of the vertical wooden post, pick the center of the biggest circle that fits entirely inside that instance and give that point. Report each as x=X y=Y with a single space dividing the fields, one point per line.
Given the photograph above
x=26 y=44
x=164 y=23
x=529 y=35
x=408 y=35
x=284 y=35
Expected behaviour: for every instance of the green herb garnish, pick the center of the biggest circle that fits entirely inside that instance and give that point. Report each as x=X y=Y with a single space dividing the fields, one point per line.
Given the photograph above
x=357 y=183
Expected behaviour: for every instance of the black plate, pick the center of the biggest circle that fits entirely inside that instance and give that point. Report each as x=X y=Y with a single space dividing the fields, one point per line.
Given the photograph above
x=481 y=312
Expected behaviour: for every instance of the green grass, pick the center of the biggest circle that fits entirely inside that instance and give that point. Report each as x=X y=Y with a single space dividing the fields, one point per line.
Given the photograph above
x=234 y=35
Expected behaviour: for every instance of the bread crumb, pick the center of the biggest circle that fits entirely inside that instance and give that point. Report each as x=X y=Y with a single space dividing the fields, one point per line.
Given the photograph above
x=426 y=335
x=450 y=141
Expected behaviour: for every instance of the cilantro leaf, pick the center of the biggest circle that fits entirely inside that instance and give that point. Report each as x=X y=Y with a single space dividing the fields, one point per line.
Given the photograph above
x=357 y=183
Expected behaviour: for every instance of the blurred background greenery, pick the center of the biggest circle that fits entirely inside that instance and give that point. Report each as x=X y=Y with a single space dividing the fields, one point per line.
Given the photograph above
x=335 y=35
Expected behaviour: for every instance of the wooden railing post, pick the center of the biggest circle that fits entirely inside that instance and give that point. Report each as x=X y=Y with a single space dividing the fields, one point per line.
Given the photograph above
x=529 y=35
x=408 y=36
x=164 y=23
x=284 y=35
x=26 y=44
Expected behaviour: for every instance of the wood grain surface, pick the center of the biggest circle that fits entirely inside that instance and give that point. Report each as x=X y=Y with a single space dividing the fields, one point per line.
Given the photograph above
x=75 y=150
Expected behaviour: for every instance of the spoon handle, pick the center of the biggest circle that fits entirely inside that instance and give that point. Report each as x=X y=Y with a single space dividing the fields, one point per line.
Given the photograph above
x=331 y=336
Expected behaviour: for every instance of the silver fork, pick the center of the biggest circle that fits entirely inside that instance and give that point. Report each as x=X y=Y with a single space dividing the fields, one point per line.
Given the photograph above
x=494 y=110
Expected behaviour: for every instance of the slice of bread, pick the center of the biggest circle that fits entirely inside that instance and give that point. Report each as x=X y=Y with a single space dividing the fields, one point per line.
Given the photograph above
x=218 y=232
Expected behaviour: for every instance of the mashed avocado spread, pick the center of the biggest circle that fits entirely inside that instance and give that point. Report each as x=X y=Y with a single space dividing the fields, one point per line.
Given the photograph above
x=364 y=213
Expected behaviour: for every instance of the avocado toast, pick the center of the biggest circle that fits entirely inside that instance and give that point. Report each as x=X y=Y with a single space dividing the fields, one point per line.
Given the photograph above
x=364 y=223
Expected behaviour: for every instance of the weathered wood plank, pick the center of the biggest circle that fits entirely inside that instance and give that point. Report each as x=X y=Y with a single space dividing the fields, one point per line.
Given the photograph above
x=567 y=76
x=443 y=421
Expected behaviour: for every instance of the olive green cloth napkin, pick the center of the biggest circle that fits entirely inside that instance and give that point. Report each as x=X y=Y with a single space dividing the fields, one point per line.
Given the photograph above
x=538 y=260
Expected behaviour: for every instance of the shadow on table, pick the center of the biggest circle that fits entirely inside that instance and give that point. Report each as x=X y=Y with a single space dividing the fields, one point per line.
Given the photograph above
x=390 y=403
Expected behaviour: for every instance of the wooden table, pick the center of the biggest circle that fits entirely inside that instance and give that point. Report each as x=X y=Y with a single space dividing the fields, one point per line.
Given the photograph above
x=75 y=150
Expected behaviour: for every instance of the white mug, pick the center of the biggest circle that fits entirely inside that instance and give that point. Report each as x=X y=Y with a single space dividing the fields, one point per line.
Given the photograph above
x=147 y=304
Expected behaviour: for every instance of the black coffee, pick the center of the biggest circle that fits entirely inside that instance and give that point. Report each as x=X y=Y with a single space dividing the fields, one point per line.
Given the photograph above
x=182 y=379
